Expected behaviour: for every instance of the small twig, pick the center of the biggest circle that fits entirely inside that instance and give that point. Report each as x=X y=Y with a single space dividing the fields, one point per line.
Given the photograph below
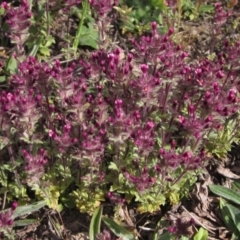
x=80 y=224
x=4 y=199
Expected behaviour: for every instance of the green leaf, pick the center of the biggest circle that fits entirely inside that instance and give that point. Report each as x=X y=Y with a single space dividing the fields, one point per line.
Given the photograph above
x=226 y=193
x=24 y=210
x=24 y=222
x=191 y=16
x=79 y=33
x=2 y=11
x=236 y=186
x=226 y=217
x=161 y=4
x=202 y=234
x=95 y=223
x=118 y=230
x=3 y=79
x=206 y=8
x=113 y=166
x=11 y=65
x=44 y=51
x=235 y=215
x=88 y=37
x=50 y=41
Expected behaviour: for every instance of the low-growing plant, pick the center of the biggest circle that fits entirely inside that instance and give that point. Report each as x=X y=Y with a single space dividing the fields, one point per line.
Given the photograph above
x=124 y=125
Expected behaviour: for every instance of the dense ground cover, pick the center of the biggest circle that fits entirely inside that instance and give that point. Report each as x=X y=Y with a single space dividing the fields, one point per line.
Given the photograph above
x=117 y=118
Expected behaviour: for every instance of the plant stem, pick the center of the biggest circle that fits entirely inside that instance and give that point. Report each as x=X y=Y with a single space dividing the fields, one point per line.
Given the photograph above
x=180 y=177
x=47 y=15
x=80 y=26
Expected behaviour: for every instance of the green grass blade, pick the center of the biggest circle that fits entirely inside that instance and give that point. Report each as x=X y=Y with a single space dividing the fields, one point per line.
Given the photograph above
x=95 y=223
x=86 y=8
x=225 y=193
x=118 y=230
x=24 y=222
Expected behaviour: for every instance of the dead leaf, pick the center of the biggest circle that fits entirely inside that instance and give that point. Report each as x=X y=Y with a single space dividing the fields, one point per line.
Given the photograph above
x=226 y=172
x=123 y=213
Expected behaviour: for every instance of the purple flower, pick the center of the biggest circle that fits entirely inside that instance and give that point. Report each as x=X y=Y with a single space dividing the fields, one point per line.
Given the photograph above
x=6 y=219
x=102 y=7
x=34 y=165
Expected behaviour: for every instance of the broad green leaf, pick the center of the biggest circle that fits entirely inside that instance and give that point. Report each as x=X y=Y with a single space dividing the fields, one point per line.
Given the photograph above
x=235 y=215
x=226 y=216
x=202 y=234
x=95 y=223
x=28 y=209
x=118 y=230
x=88 y=37
x=226 y=193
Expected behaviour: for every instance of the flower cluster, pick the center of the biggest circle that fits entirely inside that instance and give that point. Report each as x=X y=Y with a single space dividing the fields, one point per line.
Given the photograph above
x=129 y=118
x=19 y=21
x=181 y=227
x=103 y=7
x=34 y=165
x=221 y=15
x=6 y=219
